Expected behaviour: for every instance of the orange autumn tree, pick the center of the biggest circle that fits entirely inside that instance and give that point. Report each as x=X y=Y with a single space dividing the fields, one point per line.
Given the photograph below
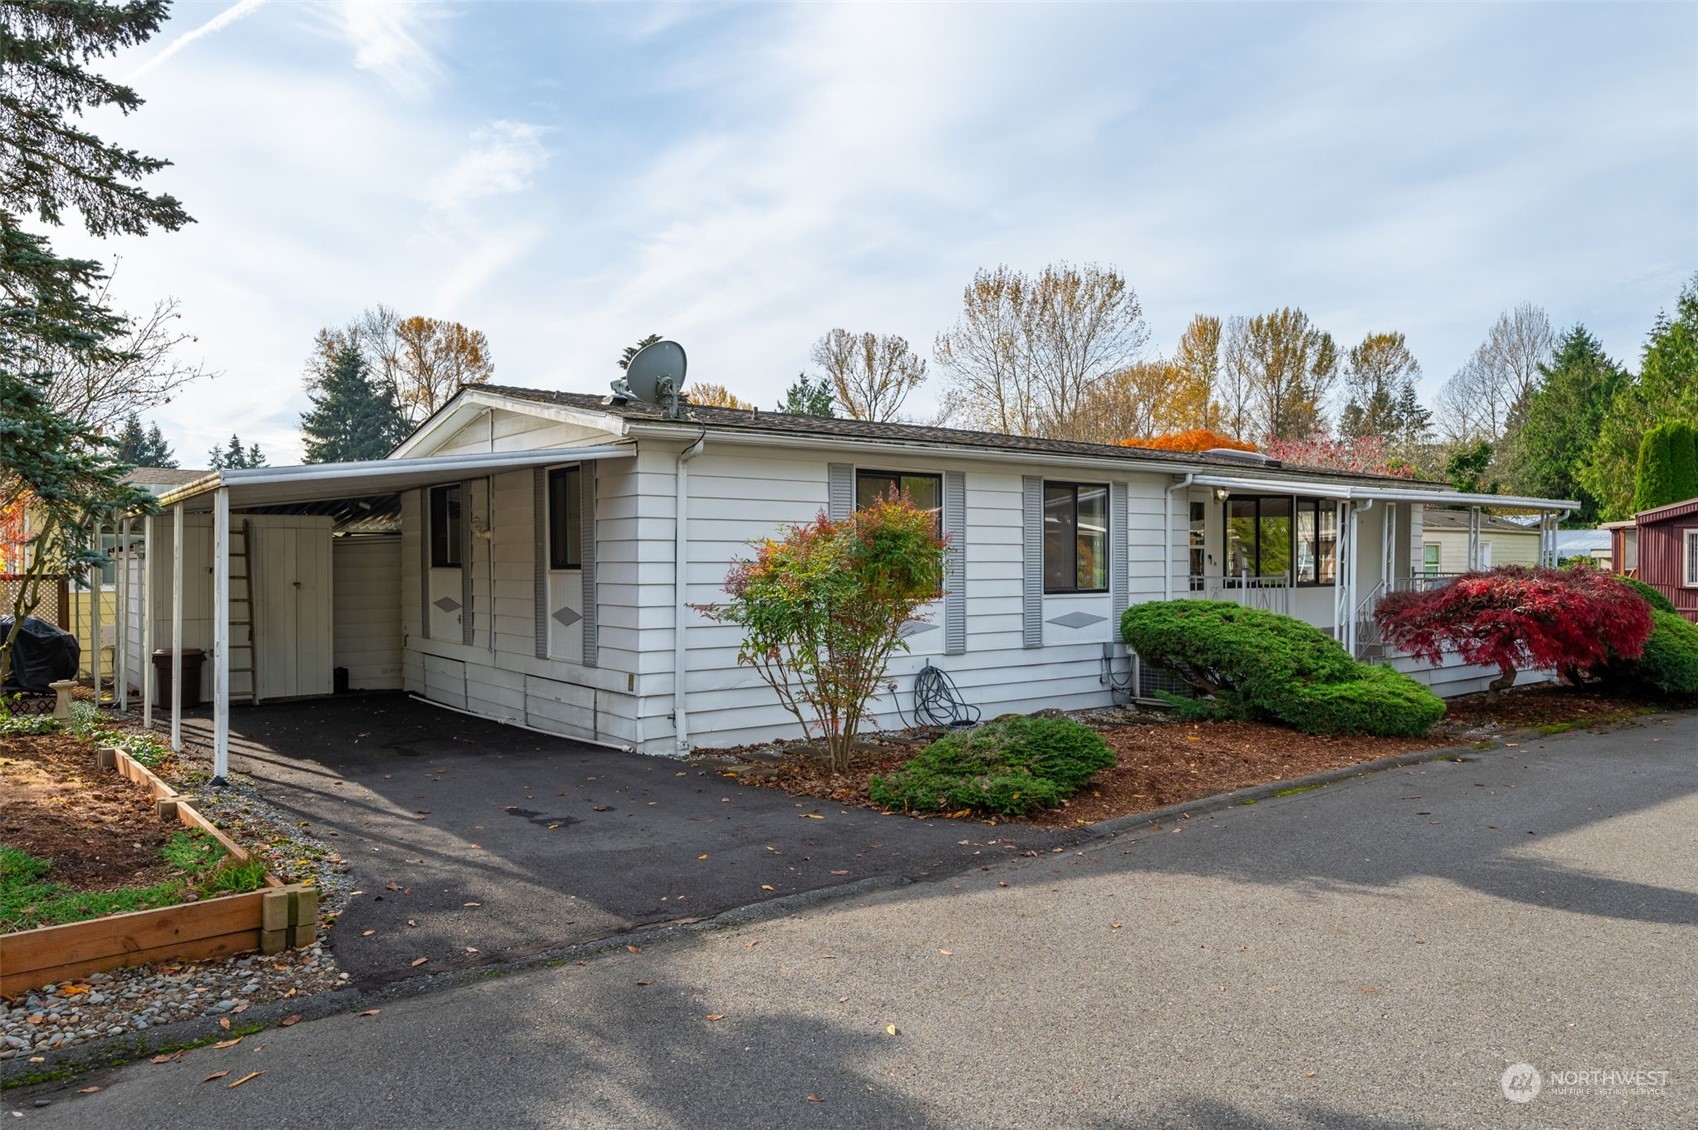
x=1191 y=439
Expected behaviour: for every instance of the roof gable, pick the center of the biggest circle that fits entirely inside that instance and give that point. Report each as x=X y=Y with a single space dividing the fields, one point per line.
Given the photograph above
x=484 y=419
x=1666 y=513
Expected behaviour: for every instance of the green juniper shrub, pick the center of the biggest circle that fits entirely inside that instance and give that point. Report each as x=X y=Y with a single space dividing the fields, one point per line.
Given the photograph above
x=1379 y=701
x=1667 y=666
x=1653 y=596
x=1008 y=767
x=1250 y=663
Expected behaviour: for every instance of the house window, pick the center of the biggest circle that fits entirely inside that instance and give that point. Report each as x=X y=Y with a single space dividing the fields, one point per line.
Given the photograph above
x=1430 y=557
x=1075 y=537
x=1317 y=542
x=565 y=519
x=1258 y=537
x=1197 y=563
x=1691 y=539
x=447 y=550
x=924 y=491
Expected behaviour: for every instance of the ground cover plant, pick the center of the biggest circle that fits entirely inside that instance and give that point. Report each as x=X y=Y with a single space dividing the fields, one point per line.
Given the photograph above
x=1007 y=767
x=1250 y=664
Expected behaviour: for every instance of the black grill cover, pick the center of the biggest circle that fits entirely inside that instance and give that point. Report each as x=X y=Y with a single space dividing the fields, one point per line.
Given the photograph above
x=41 y=655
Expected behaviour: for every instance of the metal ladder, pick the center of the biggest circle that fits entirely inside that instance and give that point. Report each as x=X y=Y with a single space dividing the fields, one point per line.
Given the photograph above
x=250 y=612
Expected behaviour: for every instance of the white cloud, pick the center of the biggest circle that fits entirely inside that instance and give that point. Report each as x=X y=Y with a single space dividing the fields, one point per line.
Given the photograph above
x=391 y=39
x=504 y=158
x=217 y=23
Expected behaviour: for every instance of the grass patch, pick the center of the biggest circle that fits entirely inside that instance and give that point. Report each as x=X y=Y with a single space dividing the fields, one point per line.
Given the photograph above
x=1294 y=790
x=1558 y=728
x=29 y=898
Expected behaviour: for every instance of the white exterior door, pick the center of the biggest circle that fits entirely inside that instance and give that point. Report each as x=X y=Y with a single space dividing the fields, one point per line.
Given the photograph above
x=292 y=611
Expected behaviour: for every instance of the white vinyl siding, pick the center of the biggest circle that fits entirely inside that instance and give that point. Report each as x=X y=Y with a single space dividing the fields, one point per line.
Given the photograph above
x=366 y=628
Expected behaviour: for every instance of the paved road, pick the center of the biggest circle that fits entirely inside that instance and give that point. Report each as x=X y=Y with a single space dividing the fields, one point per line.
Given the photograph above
x=554 y=841
x=1373 y=954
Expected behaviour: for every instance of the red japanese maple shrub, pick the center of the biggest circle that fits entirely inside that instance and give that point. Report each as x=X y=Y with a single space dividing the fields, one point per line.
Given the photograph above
x=1513 y=617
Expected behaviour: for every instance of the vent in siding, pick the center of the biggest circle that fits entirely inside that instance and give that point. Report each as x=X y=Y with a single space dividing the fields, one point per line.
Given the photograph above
x=1032 y=555
x=586 y=510
x=840 y=490
x=955 y=563
x=539 y=528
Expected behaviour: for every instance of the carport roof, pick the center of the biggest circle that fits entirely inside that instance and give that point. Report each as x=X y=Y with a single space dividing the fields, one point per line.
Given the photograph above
x=315 y=482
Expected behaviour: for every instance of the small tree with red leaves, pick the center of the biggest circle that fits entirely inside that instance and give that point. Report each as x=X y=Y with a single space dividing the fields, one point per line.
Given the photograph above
x=822 y=610
x=1513 y=617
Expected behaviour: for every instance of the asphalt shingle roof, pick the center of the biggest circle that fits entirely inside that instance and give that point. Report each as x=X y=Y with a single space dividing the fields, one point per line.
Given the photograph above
x=783 y=423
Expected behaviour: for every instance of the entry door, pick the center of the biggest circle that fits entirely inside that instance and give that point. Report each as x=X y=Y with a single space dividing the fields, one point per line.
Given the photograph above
x=293 y=623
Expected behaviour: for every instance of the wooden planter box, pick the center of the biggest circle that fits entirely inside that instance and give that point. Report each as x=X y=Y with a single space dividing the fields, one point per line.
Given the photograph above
x=272 y=919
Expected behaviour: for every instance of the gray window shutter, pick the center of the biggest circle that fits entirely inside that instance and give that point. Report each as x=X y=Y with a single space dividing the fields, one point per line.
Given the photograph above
x=840 y=490
x=468 y=623
x=1119 y=582
x=955 y=563
x=586 y=511
x=1032 y=603
x=539 y=526
x=424 y=563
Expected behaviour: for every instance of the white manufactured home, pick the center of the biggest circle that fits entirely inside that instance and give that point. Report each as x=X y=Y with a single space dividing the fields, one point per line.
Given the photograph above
x=520 y=557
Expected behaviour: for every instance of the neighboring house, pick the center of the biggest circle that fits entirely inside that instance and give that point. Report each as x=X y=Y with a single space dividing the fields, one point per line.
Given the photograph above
x=539 y=576
x=1445 y=541
x=1660 y=547
x=1591 y=544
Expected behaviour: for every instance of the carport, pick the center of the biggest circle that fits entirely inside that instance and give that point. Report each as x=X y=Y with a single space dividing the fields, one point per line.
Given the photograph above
x=307 y=492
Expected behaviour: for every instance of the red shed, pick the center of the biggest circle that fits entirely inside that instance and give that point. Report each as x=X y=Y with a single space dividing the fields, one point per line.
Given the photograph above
x=1660 y=547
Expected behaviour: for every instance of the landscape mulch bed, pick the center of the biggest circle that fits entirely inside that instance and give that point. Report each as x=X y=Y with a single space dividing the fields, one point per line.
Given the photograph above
x=97 y=827
x=1160 y=761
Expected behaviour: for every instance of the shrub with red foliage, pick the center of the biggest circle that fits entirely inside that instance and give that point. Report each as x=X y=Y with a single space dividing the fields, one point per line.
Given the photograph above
x=1513 y=617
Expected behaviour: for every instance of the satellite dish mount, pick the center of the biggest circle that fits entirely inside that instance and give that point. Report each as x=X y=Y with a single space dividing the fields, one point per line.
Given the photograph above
x=655 y=376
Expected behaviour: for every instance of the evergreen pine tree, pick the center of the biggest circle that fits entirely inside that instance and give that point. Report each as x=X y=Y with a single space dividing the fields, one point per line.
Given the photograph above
x=234 y=457
x=1561 y=416
x=353 y=416
x=1654 y=480
x=807 y=397
x=141 y=448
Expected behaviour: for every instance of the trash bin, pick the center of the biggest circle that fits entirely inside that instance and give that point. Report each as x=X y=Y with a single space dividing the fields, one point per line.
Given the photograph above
x=192 y=657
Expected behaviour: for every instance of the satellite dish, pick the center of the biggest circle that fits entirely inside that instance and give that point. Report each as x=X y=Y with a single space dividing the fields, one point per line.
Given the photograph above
x=655 y=375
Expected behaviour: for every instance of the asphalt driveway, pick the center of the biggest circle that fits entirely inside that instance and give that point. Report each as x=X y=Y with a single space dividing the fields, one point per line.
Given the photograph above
x=467 y=835
x=1375 y=955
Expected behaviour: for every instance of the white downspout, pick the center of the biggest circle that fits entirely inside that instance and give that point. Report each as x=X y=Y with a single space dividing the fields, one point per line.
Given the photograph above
x=147 y=610
x=680 y=593
x=121 y=619
x=95 y=598
x=1167 y=535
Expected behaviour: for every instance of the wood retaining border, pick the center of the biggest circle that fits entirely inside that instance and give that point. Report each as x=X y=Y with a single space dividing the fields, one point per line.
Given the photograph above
x=271 y=919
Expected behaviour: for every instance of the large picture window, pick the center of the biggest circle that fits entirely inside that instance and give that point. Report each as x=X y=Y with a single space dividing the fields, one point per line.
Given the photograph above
x=565 y=518
x=1075 y=537
x=1317 y=542
x=1258 y=537
x=447 y=547
x=924 y=491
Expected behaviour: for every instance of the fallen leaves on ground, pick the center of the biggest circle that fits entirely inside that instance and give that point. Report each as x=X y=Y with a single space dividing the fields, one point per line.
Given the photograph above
x=244 y=1079
x=714 y=1016
x=215 y=1075
x=418 y=961
x=369 y=1012
x=226 y=1043
x=289 y=1021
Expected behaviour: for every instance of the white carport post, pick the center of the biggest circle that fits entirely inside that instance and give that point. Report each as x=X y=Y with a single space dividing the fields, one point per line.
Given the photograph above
x=146 y=610
x=221 y=636
x=95 y=589
x=120 y=656
x=1473 y=539
x=177 y=627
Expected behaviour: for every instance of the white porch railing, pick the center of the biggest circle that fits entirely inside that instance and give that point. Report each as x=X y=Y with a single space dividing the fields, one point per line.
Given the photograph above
x=1370 y=644
x=1270 y=593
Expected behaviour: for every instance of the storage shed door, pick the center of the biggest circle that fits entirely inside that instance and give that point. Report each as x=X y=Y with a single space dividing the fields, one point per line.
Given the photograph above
x=292 y=610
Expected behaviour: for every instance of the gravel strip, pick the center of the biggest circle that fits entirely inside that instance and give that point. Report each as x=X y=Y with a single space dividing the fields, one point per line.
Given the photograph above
x=138 y=998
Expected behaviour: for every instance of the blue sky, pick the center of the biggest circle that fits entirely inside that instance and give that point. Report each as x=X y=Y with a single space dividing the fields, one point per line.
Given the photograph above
x=568 y=178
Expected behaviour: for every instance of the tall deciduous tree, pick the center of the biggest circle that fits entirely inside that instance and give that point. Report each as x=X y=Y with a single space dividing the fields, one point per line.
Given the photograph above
x=143 y=447
x=1280 y=369
x=870 y=374
x=234 y=457
x=437 y=359
x=353 y=416
x=715 y=396
x=1666 y=388
x=1027 y=350
x=1134 y=401
x=1196 y=390
x=1379 y=379
x=1565 y=411
x=807 y=397
x=1481 y=401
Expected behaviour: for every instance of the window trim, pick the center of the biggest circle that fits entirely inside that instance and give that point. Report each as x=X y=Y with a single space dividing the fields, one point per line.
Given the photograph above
x=574 y=474
x=1320 y=508
x=1108 y=526
x=1436 y=566
x=935 y=476
x=446 y=534
x=1689 y=574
